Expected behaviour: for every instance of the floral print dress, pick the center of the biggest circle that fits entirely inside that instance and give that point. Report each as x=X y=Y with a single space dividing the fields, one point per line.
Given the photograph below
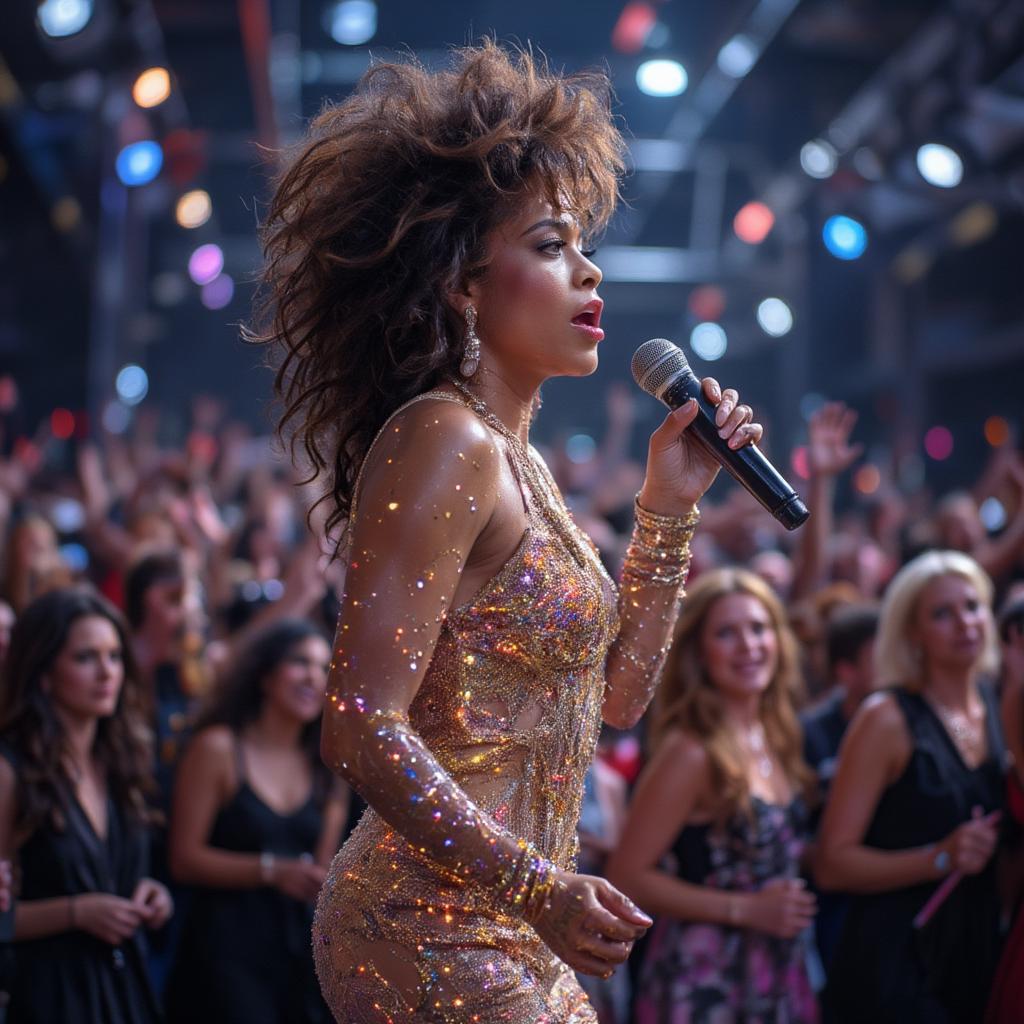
x=696 y=973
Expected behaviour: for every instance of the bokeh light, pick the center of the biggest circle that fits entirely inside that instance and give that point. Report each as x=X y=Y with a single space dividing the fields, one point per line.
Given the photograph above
x=633 y=27
x=216 y=294
x=844 y=237
x=775 y=317
x=709 y=341
x=801 y=462
x=206 y=263
x=753 y=222
x=60 y=18
x=939 y=165
x=116 y=417
x=867 y=479
x=993 y=514
x=152 y=87
x=132 y=384
x=997 y=431
x=737 y=57
x=194 y=208
x=62 y=424
x=819 y=159
x=706 y=302
x=352 y=22
x=139 y=162
x=580 y=448
x=938 y=443
x=661 y=78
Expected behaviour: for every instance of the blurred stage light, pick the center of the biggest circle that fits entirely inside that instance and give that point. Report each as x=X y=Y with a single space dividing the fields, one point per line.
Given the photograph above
x=738 y=56
x=352 y=22
x=845 y=237
x=867 y=479
x=938 y=443
x=74 y=556
x=62 y=424
x=216 y=294
x=709 y=341
x=775 y=317
x=152 y=87
x=801 y=463
x=753 y=222
x=661 y=78
x=139 y=163
x=819 y=159
x=66 y=214
x=205 y=263
x=580 y=448
x=974 y=224
x=993 y=514
x=997 y=431
x=633 y=27
x=60 y=18
x=116 y=417
x=168 y=288
x=194 y=208
x=707 y=302
x=68 y=515
x=131 y=385
x=939 y=165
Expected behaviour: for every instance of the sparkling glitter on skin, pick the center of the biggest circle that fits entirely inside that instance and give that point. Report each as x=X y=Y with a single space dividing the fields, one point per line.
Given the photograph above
x=415 y=921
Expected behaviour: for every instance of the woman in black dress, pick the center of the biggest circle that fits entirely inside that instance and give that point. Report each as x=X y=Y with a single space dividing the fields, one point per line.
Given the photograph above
x=917 y=796
x=73 y=815
x=257 y=818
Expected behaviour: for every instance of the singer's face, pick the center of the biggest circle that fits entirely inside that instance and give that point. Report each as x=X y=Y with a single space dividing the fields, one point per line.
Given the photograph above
x=739 y=647
x=537 y=300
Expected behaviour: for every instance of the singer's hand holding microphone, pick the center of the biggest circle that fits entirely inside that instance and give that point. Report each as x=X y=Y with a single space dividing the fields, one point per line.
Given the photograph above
x=708 y=428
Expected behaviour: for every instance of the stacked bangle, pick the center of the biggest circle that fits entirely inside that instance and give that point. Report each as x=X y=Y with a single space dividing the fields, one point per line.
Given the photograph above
x=659 y=551
x=528 y=884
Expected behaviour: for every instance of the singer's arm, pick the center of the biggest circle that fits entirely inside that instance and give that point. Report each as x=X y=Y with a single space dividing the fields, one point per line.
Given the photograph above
x=678 y=473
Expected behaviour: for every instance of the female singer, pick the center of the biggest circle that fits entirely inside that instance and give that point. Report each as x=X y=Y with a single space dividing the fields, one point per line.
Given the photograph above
x=916 y=797
x=725 y=792
x=429 y=269
x=73 y=779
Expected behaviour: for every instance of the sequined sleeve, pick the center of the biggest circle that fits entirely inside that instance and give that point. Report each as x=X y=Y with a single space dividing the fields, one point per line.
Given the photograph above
x=653 y=574
x=431 y=486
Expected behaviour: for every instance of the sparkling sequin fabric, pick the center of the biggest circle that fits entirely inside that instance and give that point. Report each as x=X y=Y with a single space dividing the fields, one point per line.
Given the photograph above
x=510 y=709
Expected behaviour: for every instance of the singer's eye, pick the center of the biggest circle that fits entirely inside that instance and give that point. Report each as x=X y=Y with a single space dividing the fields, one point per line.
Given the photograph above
x=588 y=253
x=554 y=246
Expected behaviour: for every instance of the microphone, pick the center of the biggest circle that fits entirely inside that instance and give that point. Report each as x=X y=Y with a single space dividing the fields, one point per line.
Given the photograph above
x=661 y=369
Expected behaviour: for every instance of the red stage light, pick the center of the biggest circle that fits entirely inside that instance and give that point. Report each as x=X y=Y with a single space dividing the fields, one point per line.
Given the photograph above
x=801 y=463
x=753 y=222
x=62 y=424
x=633 y=27
x=707 y=302
x=938 y=443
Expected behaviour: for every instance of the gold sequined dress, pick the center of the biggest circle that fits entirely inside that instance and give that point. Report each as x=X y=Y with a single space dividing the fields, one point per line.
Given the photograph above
x=510 y=706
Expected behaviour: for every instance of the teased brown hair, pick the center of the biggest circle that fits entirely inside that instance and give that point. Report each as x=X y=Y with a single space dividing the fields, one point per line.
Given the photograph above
x=383 y=212
x=688 y=700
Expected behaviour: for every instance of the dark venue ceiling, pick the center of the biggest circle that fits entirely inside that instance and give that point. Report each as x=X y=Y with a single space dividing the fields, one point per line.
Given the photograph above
x=925 y=327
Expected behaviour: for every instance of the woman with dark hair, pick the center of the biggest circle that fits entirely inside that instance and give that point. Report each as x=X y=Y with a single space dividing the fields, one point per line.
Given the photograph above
x=257 y=818
x=74 y=780
x=915 y=805
x=725 y=793
x=428 y=268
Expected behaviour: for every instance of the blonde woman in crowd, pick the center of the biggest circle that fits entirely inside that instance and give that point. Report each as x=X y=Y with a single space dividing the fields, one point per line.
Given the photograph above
x=916 y=798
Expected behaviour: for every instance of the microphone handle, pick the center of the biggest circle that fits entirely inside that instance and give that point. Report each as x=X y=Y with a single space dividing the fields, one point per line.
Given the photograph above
x=747 y=465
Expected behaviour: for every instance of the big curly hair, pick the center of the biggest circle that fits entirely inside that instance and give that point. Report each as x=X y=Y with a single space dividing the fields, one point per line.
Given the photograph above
x=383 y=213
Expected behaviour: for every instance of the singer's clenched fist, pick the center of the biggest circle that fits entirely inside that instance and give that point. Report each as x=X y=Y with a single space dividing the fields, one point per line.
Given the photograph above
x=679 y=471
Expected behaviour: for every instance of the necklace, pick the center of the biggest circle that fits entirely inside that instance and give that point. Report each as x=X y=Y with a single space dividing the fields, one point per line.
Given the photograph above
x=756 y=745
x=965 y=729
x=543 y=492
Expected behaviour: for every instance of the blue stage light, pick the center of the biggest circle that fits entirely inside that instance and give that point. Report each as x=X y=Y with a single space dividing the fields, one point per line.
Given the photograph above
x=139 y=163
x=845 y=237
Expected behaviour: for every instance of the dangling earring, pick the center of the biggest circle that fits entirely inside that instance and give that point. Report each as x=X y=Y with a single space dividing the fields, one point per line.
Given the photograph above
x=471 y=355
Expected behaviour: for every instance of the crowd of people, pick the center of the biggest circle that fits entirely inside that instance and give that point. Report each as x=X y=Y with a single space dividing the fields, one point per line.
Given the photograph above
x=821 y=811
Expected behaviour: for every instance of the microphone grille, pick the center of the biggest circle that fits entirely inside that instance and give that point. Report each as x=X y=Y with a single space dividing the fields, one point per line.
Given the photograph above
x=656 y=363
